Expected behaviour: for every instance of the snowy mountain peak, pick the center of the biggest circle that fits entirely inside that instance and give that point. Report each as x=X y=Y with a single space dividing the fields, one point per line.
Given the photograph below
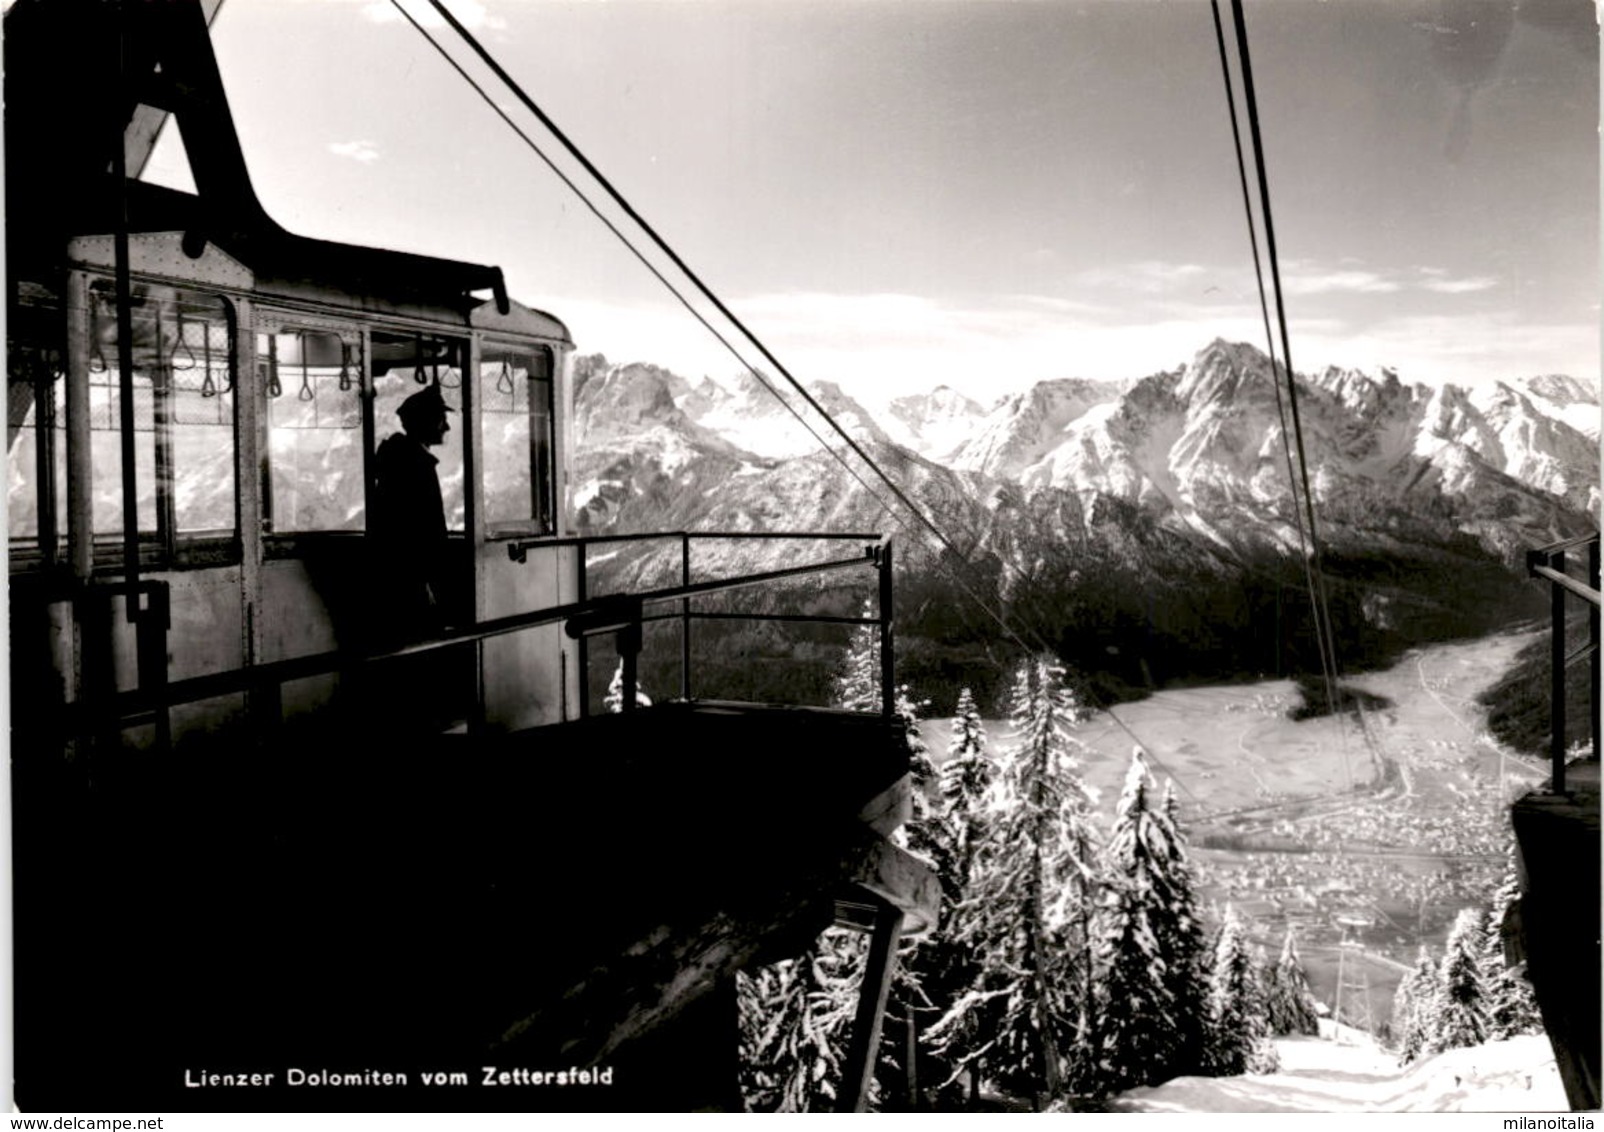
x=1023 y=428
x=1228 y=374
x=1560 y=389
x=1359 y=392
x=935 y=423
x=846 y=412
x=1566 y=399
x=634 y=392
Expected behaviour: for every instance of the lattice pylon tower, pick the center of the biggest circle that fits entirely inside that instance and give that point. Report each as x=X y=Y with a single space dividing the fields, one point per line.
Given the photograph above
x=1353 y=983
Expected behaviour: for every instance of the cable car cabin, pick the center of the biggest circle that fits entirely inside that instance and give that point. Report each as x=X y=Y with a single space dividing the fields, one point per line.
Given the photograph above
x=274 y=849
x=257 y=408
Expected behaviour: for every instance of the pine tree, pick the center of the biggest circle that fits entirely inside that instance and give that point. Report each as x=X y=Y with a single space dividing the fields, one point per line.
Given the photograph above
x=1290 y=1004
x=965 y=778
x=1239 y=1038
x=1024 y=1018
x=614 y=701
x=792 y=1060
x=1264 y=973
x=1511 y=1006
x=796 y=1018
x=940 y=961
x=1139 y=1032
x=1181 y=942
x=908 y=999
x=857 y=682
x=858 y=688
x=1411 y=1008
x=921 y=833
x=1459 y=1004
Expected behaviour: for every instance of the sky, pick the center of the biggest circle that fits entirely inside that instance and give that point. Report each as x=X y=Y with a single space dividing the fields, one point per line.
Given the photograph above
x=895 y=194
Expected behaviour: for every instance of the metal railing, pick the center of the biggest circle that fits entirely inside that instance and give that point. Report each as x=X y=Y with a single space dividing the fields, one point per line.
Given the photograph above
x=625 y=614
x=1549 y=563
x=622 y=613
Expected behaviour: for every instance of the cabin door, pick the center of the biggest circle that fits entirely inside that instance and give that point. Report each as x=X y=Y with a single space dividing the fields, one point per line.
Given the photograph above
x=527 y=678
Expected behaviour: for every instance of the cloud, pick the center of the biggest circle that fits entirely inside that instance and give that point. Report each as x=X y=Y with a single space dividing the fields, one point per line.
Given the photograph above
x=1446 y=286
x=881 y=346
x=1163 y=283
x=1334 y=282
x=1305 y=277
x=471 y=13
x=1149 y=277
x=1464 y=349
x=1058 y=304
x=364 y=151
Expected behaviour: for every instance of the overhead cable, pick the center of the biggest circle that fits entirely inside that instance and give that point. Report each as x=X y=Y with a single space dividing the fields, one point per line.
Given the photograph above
x=1326 y=659
x=706 y=292
x=1266 y=215
x=1325 y=630
x=629 y=244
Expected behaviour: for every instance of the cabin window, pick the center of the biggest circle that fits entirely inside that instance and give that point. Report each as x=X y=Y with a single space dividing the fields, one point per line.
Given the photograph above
x=36 y=429
x=404 y=364
x=311 y=380
x=183 y=354
x=515 y=392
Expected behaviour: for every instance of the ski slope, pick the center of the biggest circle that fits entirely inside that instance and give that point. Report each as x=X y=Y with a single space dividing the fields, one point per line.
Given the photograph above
x=1355 y=1075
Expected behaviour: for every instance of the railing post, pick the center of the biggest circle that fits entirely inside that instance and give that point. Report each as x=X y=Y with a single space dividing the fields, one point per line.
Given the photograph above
x=125 y=352
x=150 y=635
x=582 y=661
x=630 y=637
x=1593 y=640
x=1556 y=652
x=629 y=643
x=684 y=617
x=888 y=673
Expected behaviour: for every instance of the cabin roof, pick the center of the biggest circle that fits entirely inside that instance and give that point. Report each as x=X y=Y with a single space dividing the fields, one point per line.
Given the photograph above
x=65 y=108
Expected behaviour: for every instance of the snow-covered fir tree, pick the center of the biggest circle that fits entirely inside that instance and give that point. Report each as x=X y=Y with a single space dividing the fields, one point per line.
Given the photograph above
x=1291 y=1003
x=1182 y=943
x=1511 y=1005
x=1264 y=971
x=941 y=962
x=1239 y=1030
x=796 y=1020
x=918 y=957
x=920 y=833
x=857 y=682
x=796 y=1015
x=1411 y=1008
x=1139 y=1033
x=614 y=701
x=965 y=778
x=1459 y=1003
x=1023 y=1021
x=857 y=687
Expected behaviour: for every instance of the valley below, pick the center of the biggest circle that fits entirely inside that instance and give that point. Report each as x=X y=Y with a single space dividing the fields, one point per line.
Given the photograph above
x=1375 y=834
x=1147 y=534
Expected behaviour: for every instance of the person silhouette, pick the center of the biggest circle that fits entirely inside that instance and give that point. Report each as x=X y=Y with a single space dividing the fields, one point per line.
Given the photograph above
x=408 y=524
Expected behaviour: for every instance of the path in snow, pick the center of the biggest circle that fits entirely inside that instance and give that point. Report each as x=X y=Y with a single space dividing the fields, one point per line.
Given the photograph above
x=1318 y=1075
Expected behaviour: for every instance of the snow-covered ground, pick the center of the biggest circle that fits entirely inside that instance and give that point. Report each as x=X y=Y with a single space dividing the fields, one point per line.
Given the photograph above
x=1352 y=1074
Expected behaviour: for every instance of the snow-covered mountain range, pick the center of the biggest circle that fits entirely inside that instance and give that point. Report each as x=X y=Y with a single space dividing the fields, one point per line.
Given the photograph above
x=1147 y=528
x=1198 y=453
